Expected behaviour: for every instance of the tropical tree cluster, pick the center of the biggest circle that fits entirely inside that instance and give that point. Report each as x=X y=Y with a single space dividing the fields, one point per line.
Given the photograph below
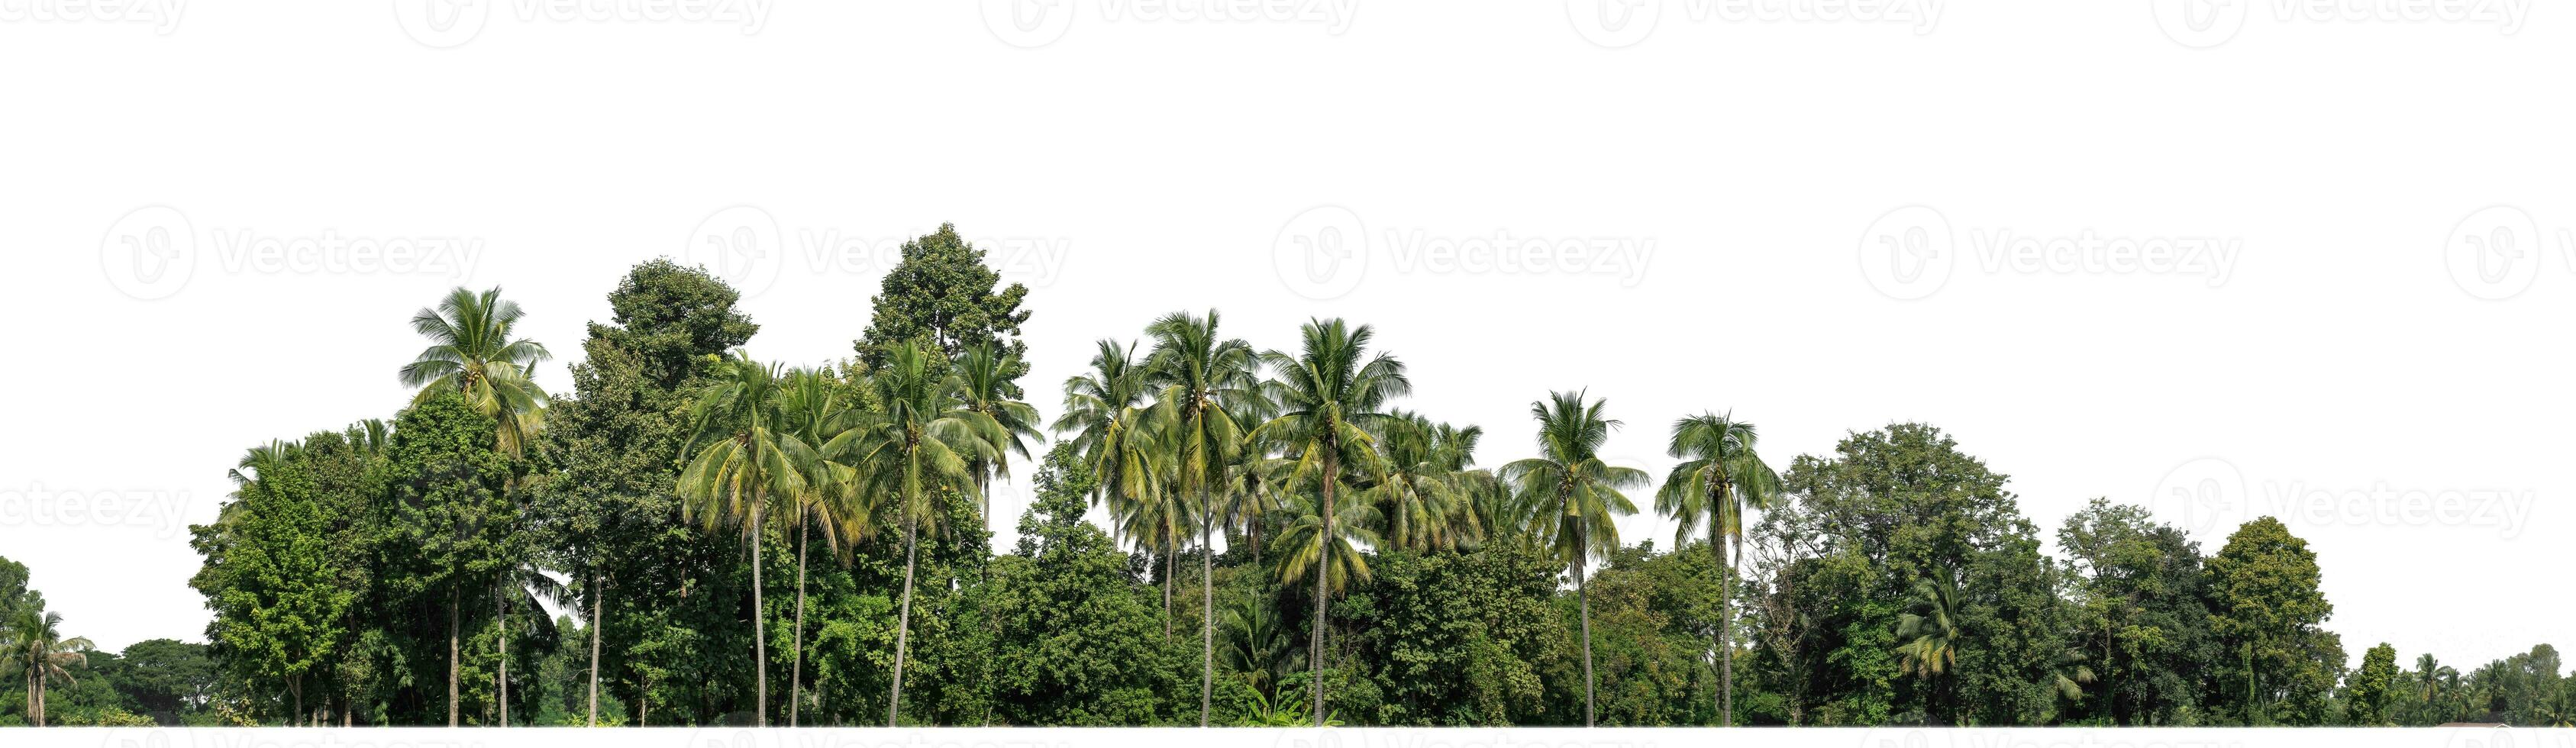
x=1220 y=533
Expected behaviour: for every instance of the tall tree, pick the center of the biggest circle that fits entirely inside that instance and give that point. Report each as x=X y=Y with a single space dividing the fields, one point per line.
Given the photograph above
x=2266 y=607
x=1586 y=492
x=984 y=374
x=918 y=443
x=942 y=295
x=446 y=491
x=471 y=353
x=745 y=462
x=1329 y=394
x=1104 y=411
x=810 y=406
x=1201 y=375
x=2371 y=688
x=1720 y=475
x=37 y=647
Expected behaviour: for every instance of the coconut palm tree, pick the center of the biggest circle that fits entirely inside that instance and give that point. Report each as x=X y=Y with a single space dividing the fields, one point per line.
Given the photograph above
x=810 y=406
x=746 y=463
x=1584 y=493
x=1422 y=494
x=1201 y=375
x=921 y=440
x=1258 y=646
x=1103 y=409
x=38 y=648
x=1720 y=475
x=522 y=586
x=1328 y=396
x=1928 y=641
x=984 y=373
x=471 y=352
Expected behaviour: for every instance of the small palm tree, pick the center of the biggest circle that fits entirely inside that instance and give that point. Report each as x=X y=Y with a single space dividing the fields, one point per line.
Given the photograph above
x=921 y=443
x=1586 y=492
x=1257 y=645
x=1103 y=409
x=1928 y=641
x=1328 y=396
x=38 y=648
x=984 y=375
x=1421 y=492
x=746 y=463
x=471 y=352
x=1719 y=477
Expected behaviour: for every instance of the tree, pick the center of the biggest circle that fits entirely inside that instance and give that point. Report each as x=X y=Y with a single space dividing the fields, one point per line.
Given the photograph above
x=984 y=374
x=1585 y=492
x=444 y=483
x=942 y=295
x=279 y=596
x=1719 y=476
x=2266 y=607
x=1328 y=395
x=1202 y=376
x=1424 y=489
x=1928 y=640
x=746 y=461
x=2367 y=697
x=1104 y=411
x=919 y=443
x=809 y=408
x=37 y=647
x=471 y=353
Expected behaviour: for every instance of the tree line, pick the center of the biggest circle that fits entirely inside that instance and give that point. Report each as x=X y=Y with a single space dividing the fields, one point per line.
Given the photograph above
x=694 y=536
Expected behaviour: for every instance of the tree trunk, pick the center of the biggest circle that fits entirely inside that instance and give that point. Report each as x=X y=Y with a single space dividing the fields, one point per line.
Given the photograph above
x=1717 y=544
x=502 y=680
x=1323 y=551
x=454 y=711
x=796 y=676
x=598 y=613
x=759 y=629
x=903 y=620
x=1171 y=564
x=1583 y=605
x=1207 y=615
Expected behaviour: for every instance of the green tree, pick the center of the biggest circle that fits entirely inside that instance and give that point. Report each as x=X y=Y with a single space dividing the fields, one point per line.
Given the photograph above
x=746 y=461
x=1587 y=494
x=1719 y=476
x=445 y=487
x=942 y=295
x=37 y=647
x=1328 y=396
x=471 y=353
x=1202 y=376
x=2266 y=608
x=2367 y=695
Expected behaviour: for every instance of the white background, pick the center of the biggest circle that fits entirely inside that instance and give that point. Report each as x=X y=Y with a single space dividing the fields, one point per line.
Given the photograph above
x=1136 y=163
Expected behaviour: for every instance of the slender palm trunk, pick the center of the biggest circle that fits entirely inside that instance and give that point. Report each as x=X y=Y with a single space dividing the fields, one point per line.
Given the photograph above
x=759 y=631
x=1207 y=615
x=501 y=682
x=903 y=619
x=1171 y=564
x=796 y=676
x=598 y=611
x=1725 y=625
x=1315 y=648
x=454 y=711
x=1583 y=605
x=295 y=697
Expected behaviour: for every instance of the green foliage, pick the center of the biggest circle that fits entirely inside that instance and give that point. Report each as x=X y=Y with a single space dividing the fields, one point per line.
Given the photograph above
x=942 y=295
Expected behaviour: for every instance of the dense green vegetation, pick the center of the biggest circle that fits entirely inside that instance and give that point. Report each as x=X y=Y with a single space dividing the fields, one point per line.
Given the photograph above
x=692 y=536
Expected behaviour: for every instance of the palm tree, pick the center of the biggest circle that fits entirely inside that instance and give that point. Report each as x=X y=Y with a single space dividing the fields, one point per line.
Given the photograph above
x=1719 y=477
x=1584 y=491
x=1257 y=645
x=746 y=461
x=471 y=352
x=1422 y=493
x=987 y=388
x=1928 y=642
x=1328 y=396
x=37 y=646
x=922 y=441
x=1201 y=375
x=1102 y=410
x=809 y=408
x=521 y=584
